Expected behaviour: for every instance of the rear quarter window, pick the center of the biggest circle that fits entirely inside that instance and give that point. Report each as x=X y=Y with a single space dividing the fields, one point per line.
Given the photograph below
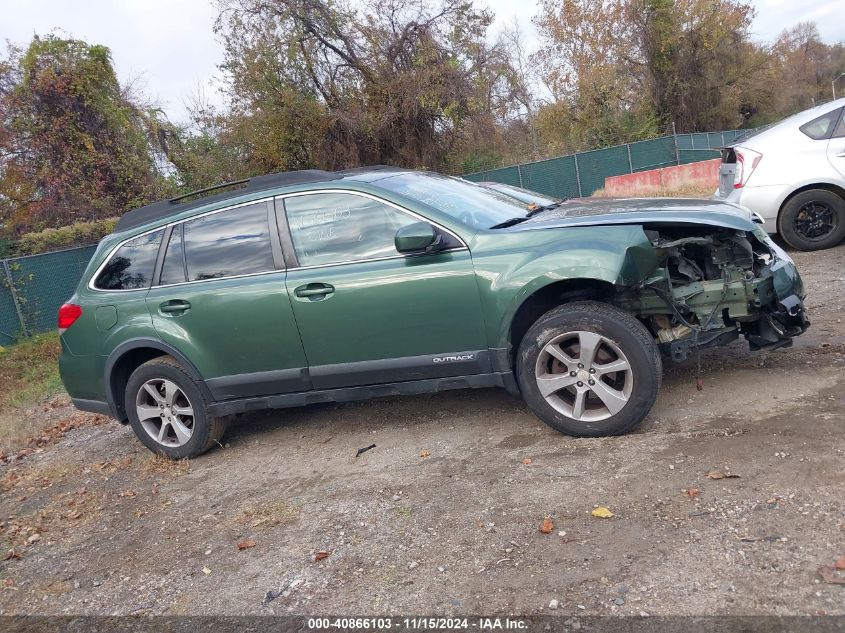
x=821 y=127
x=132 y=265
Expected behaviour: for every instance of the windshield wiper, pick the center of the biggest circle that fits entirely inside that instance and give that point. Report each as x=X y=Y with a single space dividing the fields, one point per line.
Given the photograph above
x=510 y=222
x=530 y=214
x=545 y=207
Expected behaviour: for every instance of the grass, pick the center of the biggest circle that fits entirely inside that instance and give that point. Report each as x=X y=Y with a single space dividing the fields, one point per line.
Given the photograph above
x=684 y=190
x=29 y=374
x=269 y=514
x=155 y=465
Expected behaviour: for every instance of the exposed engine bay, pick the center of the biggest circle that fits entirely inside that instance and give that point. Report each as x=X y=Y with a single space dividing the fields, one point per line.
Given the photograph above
x=714 y=284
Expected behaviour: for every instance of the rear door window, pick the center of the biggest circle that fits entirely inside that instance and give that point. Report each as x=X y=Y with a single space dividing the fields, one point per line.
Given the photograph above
x=229 y=243
x=132 y=266
x=821 y=127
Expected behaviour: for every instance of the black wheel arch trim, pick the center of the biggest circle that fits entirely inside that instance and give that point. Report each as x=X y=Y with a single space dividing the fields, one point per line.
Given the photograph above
x=147 y=343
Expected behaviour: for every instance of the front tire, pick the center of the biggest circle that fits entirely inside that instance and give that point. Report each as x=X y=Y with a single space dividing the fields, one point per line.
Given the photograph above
x=168 y=412
x=589 y=369
x=813 y=220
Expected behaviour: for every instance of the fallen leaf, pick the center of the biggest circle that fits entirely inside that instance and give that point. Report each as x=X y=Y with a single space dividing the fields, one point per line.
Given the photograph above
x=206 y=571
x=127 y=493
x=693 y=492
x=526 y=461
x=547 y=526
x=321 y=555
x=11 y=554
x=830 y=575
x=34 y=538
x=840 y=564
x=602 y=513
x=717 y=474
x=246 y=544
x=424 y=454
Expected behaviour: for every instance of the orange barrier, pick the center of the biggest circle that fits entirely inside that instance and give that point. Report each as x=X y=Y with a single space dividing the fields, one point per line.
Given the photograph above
x=702 y=173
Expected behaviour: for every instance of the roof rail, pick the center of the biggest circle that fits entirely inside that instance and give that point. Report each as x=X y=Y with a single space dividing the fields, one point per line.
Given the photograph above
x=231 y=183
x=166 y=208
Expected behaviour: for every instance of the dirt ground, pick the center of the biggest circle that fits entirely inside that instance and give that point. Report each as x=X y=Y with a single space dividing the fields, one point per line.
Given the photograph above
x=94 y=525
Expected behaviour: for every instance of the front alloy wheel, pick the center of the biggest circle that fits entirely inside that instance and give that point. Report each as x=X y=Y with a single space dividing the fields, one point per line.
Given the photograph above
x=584 y=375
x=589 y=369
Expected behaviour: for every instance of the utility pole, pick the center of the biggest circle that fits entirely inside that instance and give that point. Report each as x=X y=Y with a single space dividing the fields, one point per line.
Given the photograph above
x=833 y=84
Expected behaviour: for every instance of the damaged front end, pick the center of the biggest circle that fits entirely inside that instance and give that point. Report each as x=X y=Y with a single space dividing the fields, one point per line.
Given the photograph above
x=713 y=284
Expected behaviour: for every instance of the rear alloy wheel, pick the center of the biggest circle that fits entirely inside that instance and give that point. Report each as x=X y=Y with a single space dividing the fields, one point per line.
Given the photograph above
x=589 y=369
x=813 y=220
x=167 y=410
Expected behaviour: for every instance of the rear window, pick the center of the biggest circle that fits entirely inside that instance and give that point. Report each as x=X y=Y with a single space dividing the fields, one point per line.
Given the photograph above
x=132 y=266
x=821 y=127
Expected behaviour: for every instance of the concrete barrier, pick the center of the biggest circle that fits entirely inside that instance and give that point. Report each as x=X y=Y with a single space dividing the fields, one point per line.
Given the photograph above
x=692 y=175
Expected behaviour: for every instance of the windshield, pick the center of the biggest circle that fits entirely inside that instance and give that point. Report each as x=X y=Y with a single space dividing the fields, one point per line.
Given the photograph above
x=523 y=195
x=465 y=201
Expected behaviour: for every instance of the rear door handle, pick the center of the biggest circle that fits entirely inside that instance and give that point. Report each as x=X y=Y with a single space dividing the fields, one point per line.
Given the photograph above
x=314 y=291
x=841 y=154
x=175 y=306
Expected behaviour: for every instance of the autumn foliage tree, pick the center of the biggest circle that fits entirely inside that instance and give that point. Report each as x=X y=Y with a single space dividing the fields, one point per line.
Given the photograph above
x=73 y=146
x=333 y=84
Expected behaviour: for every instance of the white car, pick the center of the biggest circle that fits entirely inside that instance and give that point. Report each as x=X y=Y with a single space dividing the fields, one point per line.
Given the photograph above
x=792 y=174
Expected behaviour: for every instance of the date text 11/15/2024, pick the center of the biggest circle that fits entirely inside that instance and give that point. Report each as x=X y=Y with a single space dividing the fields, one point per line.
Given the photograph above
x=421 y=623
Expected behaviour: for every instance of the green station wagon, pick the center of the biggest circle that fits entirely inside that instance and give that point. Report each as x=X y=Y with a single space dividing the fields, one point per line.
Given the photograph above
x=315 y=286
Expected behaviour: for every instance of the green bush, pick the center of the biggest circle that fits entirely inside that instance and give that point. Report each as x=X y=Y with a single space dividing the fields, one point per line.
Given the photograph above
x=76 y=234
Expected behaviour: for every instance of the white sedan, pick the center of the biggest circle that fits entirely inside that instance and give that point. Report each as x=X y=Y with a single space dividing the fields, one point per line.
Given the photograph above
x=792 y=174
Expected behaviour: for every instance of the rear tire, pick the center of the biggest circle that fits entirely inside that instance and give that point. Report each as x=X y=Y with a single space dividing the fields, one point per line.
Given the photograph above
x=168 y=412
x=589 y=369
x=813 y=220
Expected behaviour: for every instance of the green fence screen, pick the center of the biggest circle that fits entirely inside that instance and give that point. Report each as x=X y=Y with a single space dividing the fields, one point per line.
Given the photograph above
x=33 y=288
x=580 y=175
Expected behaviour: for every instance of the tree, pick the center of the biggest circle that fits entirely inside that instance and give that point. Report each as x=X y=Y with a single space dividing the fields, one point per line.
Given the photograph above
x=388 y=81
x=807 y=66
x=74 y=146
x=629 y=69
x=590 y=61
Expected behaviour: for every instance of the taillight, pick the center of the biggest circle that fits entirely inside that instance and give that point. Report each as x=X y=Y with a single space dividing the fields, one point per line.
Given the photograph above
x=746 y=161
x=68 y=314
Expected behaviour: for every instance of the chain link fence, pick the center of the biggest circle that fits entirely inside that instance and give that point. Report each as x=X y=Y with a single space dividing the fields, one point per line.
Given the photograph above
x=32 y=288
x=581 y=175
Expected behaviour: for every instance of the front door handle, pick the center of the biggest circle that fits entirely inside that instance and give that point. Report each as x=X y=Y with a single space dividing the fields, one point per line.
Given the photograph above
x=841 y=155
x=314 y=291
x=176 y=306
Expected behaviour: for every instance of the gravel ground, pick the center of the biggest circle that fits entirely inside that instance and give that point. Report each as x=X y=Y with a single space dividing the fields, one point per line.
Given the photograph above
x=442 y=516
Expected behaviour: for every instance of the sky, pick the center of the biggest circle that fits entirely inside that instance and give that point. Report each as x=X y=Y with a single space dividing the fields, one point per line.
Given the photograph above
x=169 y=49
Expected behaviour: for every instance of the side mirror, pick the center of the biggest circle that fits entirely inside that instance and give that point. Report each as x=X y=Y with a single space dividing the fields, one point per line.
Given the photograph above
x=419 y=237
